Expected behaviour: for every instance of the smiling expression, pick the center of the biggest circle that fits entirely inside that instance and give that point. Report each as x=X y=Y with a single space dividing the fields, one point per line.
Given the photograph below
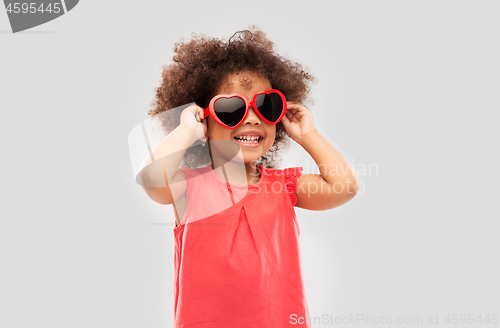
x=247 y=84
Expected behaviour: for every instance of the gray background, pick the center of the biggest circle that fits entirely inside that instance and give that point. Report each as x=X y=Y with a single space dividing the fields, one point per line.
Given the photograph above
x=411 y=88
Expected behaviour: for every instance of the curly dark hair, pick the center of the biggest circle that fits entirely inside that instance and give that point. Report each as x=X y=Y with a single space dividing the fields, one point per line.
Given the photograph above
x=202 y=64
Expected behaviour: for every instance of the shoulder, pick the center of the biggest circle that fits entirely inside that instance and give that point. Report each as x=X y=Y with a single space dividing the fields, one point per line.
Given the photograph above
x=189 y=172
x=287 y=173
x=190 y=175
x=293 y=172
x=290 y=176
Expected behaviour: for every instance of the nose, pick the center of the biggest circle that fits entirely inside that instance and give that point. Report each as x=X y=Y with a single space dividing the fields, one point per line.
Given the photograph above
x=252 y=117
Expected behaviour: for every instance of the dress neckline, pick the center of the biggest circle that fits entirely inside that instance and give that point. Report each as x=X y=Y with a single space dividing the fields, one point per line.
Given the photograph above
x=232 y=185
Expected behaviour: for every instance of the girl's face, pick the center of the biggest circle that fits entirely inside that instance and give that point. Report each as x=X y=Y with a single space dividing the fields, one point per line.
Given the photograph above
x=247 y=84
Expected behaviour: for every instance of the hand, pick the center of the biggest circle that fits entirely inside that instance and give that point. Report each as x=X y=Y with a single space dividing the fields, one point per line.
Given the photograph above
x=192 y=118
x=298 y=121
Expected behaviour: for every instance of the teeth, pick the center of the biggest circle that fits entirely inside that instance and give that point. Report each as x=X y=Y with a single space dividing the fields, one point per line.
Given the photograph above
x=248 y=139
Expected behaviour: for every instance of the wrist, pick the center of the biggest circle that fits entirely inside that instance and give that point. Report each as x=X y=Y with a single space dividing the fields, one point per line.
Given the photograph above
x=307 y=136
x=186 y=128
x=187 y=133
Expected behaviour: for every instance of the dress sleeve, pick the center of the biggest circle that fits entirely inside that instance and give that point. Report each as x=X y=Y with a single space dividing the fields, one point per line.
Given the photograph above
x=291 y=175
x=189 y=174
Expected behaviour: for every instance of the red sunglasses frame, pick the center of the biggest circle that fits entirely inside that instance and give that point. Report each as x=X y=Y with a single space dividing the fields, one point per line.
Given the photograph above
x=210 y=109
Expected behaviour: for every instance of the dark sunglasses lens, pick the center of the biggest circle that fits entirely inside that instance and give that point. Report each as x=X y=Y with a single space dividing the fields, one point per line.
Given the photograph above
x=270 y=106
x=230 y=110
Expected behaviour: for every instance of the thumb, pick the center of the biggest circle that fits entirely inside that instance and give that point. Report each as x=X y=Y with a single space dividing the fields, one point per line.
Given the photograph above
x=285 y=121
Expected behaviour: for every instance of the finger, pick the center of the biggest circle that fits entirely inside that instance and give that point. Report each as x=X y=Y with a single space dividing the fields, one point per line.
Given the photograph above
x=291 y=110
x=193 y=108
x=297 y=107
x=285 y=121
x=295 y=110
x=201 y=129
x=201 y=113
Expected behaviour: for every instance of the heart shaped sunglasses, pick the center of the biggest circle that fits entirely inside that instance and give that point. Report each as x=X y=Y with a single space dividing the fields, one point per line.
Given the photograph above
x=231 y=110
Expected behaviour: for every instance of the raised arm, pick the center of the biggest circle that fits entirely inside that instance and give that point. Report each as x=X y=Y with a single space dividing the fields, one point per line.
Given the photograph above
x=160 y=177
x=337 y=183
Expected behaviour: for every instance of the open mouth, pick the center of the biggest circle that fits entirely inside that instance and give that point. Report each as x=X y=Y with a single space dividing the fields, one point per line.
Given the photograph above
x=252 y=141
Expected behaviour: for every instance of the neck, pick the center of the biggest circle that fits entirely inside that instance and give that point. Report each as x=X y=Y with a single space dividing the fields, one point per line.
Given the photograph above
x=236 y=172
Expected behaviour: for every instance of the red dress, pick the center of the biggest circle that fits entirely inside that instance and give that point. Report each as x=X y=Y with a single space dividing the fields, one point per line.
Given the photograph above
x=237 y=257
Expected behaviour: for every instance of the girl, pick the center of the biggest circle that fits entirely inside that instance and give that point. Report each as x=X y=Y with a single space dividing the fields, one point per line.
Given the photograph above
x=237 y=263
